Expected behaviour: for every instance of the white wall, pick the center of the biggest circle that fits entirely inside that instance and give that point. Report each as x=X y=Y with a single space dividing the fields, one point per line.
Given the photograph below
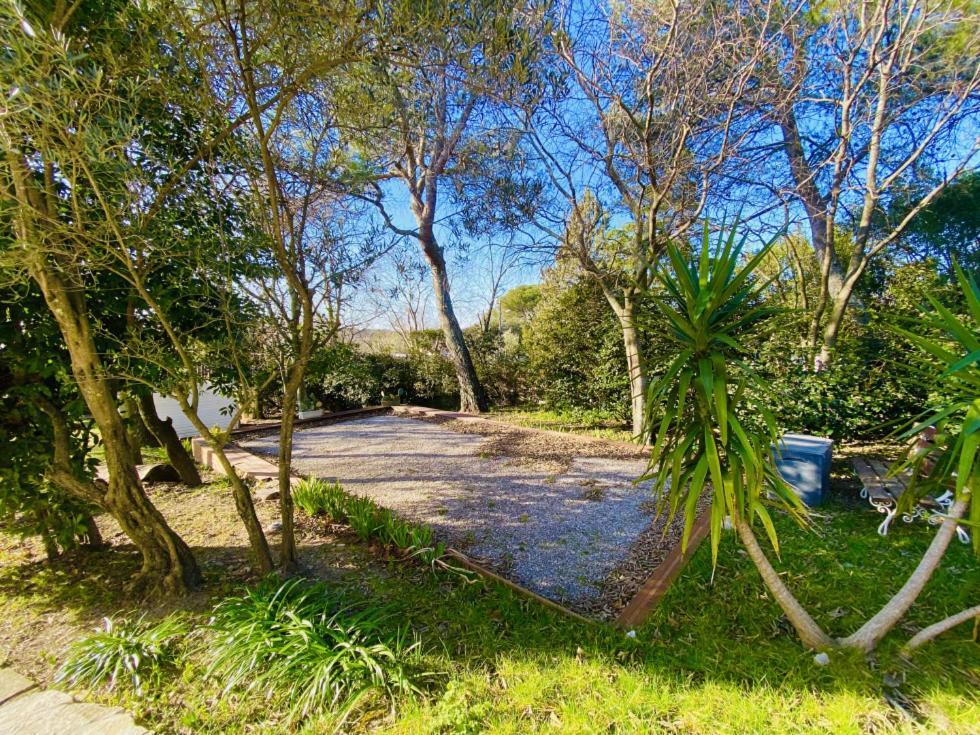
x=209 y=409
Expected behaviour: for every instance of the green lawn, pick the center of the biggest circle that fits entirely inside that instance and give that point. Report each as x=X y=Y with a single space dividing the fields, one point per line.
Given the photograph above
x=715 y=657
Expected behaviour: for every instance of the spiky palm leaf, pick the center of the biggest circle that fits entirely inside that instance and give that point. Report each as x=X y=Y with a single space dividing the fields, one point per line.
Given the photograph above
x=711 y=431
x=950 y=361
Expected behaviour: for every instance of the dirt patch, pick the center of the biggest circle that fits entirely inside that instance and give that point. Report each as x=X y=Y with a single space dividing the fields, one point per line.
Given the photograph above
x=517 y=442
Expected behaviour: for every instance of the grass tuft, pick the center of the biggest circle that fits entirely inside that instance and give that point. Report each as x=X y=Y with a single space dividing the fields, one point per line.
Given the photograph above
x=300 y=642
x=134 y=653
x=318 y=497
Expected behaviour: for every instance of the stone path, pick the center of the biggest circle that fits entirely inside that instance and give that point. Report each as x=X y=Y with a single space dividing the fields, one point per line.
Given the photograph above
x=26 y=709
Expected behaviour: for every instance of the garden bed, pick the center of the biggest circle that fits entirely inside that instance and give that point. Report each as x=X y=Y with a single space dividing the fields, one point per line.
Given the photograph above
x=559 y=515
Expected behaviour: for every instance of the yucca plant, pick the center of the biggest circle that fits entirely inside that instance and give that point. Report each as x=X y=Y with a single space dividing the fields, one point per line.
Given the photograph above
x=309 y=647
x=133 y=653
x=950 y=361
x=713 y=432
x=949 y=350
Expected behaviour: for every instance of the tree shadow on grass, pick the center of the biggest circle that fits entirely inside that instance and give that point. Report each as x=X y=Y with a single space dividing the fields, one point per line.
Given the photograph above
x=723 y=635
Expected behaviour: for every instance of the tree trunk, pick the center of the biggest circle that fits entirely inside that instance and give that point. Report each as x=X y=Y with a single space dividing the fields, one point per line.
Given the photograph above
x=815 y=204
x=811 y=634
x=165 y=434
x=168 y=564
x=261 y=557
x=637 y=373
x=92 y=538
x=287 y=551
x=927 y=634
x=138 y=426
x=471 y=396
x=868 y=635
x=291 y=393
x=134 y=430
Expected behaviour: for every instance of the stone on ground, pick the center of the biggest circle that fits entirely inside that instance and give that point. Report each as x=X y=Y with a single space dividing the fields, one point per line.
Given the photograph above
x=26 y=710
x=162 y=472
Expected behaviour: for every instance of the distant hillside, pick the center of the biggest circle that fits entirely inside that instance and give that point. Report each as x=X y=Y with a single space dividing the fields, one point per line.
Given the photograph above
x=378 y=340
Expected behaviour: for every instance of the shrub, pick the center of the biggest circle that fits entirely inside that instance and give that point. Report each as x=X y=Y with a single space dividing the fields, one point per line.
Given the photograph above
x=574 y=348
x=132 y=652
x=858 y=396
x=299 y=641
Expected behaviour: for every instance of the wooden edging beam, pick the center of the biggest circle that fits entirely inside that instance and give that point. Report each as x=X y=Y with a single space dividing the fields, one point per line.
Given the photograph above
x=493 y=576
x=651 y=593
x=327 y=418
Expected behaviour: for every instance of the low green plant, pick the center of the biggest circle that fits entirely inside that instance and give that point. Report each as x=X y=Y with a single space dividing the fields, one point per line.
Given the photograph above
x=303 y=643
x=134 y=653
x=362 y=515
x=393 y=531
x=318 y=497
x=371 y=522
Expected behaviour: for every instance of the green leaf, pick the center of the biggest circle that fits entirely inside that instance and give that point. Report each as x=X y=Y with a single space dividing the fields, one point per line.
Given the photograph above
x=965 y=362
x=760 y=510
x=968 y=455
x=690 y=506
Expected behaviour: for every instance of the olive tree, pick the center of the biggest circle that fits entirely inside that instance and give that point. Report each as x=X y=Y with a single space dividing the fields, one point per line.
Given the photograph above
x=60 y=131
x=273 y=64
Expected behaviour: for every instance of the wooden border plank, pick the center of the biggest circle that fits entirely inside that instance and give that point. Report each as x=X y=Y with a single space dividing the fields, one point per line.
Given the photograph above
x=327 y=418
x=652 y=591
x=483 y=571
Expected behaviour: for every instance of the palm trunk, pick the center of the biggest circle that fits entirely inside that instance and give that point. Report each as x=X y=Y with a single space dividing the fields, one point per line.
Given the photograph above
x=811 y=634
x=168 y=564
x=471 y=396
x=164 y=432
x=936 y=629
x=868 y=635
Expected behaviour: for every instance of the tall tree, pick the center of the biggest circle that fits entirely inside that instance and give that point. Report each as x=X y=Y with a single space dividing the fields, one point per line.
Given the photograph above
x=871 y=96
x=639 y=134
x=424 y=118
x=272 y=63
x=76 y=77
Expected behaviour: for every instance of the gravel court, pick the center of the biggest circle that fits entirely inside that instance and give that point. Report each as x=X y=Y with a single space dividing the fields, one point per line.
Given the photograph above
x=559 y=533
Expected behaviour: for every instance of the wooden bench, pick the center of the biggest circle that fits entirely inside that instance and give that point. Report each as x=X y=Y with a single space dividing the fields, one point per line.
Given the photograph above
x=883 y=491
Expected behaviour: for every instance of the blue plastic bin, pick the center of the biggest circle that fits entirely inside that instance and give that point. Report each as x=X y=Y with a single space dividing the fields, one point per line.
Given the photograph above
x=804 y=462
